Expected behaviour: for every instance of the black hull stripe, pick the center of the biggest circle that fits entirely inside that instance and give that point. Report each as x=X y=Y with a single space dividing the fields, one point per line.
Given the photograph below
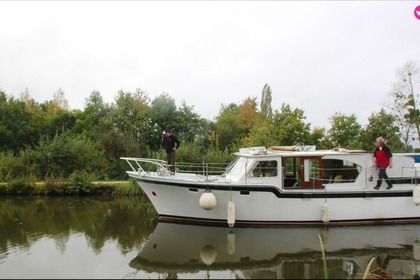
x=242 y=223
x=301 y=193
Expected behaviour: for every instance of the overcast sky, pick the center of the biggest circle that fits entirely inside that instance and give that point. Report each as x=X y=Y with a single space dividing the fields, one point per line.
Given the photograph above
x=323 y=57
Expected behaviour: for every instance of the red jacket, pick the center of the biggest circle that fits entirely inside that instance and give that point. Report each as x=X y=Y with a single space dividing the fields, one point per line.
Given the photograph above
x=382 y=156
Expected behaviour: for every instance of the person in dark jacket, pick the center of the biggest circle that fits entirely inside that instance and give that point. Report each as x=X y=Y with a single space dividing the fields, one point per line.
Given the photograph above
x=382 y=158
x=170 y=144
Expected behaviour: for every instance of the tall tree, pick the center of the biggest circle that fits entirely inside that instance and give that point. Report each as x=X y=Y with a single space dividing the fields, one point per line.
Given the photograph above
x=266 y=109
x=406 y=103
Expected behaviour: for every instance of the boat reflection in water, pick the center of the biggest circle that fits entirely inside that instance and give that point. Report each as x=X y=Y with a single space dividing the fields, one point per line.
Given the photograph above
x=279 y=253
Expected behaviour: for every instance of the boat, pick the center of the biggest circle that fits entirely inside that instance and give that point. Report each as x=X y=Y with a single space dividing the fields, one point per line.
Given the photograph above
x=282 y=185
x=182 y=250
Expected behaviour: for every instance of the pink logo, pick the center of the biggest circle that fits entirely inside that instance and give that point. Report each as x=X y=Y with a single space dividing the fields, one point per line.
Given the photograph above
x=417 y=12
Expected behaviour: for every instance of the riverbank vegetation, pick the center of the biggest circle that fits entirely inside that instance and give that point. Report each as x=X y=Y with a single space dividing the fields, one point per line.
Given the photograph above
x=67 y=150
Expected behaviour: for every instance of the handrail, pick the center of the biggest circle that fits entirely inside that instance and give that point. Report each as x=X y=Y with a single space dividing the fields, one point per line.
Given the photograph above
x=154 y=165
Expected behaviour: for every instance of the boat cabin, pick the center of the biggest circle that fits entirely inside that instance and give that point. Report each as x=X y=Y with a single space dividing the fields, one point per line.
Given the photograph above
x=301 y=169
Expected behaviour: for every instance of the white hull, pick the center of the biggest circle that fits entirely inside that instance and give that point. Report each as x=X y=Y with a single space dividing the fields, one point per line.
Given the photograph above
x=266 y=201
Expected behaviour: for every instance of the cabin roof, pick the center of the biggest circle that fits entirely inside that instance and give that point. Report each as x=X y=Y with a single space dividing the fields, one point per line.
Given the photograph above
x=288 y=151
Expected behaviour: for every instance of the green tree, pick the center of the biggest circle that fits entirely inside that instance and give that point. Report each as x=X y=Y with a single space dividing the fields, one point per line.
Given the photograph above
x=290 y=126
x=345 y=130
x=163 y=114
x=228 y=130
x=381 y=124
x=263 y=134
x=265 y=106
x=189 y=125
x=129 y=112
x=319 y=139
x=95 y=118
x=16 y=131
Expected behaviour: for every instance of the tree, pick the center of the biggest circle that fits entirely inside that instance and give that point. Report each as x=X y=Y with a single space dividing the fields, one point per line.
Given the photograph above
x=345 y=130
x=290 y=126
x=188 y=124
x=263 y=134
x=381 y=124
x=129 y=112
x=406 y=101
x=95 y=118
x=319 y=139
x=16 y=130
x=59 y=99
x=265 y=106
x=227 y=128
x=163 y=112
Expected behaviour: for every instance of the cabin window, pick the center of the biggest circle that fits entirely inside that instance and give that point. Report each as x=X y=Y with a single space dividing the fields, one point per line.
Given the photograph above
x=340 y=171
x=264 y=168
x=311 y=170
x=239 y=167
x=302 y=172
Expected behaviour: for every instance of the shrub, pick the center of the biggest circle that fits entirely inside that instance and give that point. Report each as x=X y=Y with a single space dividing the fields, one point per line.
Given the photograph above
x=80 y=182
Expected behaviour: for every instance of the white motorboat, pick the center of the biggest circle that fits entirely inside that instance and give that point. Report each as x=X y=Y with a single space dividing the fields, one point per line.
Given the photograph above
x=277 y=185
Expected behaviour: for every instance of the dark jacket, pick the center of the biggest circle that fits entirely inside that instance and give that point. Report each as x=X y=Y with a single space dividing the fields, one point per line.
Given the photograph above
x=170 y=142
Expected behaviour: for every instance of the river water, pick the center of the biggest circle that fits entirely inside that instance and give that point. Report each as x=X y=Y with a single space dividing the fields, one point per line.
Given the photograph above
x=95 y=237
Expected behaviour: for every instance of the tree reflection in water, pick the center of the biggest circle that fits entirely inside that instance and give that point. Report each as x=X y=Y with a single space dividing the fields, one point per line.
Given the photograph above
x=100 y=237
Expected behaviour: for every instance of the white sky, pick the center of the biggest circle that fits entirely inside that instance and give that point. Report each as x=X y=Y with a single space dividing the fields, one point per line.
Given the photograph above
x=322 y=57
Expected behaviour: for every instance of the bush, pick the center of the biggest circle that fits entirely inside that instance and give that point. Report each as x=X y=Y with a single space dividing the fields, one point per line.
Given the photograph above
x=55 y=185
x=80 y=182
x=21 y=186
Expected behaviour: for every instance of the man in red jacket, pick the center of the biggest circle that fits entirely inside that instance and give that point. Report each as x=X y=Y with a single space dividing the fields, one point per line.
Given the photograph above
x=382 y=158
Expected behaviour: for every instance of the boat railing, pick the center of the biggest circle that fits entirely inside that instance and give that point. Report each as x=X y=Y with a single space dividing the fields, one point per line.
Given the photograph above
x=202 y=168
x=349 y=174
x=147 y=165
x=408 y=172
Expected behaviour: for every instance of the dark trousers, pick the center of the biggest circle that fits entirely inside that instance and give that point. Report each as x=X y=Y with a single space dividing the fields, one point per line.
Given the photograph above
x=383 y=175
x=170 y=158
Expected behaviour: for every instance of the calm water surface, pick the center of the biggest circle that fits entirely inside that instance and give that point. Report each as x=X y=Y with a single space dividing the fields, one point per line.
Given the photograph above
x=93 y=237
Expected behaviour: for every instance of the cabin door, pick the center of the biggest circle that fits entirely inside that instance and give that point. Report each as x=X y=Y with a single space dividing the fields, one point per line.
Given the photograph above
x=310 y=172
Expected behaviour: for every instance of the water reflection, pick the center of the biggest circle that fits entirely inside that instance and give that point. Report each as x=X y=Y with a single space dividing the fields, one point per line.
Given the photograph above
x=280 y=253
x=96 y=237
x=72 y=237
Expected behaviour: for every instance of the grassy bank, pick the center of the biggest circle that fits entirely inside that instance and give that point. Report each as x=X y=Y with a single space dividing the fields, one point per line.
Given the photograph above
x=69 y=187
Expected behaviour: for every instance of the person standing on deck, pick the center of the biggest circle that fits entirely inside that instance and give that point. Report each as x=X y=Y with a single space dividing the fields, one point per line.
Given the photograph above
x=382 y=158
x=170 y=144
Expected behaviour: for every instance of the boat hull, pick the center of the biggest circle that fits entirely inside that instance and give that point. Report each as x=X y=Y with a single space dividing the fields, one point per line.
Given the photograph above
x=269 y=205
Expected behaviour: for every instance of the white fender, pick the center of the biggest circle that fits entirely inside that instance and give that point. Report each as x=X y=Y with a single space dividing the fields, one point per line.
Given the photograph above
x=416 y=195
x=208 y=200
x=231 y=214
x=325 y=210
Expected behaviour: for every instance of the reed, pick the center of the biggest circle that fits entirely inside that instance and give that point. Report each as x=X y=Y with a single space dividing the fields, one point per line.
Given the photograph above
x=378 y=273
